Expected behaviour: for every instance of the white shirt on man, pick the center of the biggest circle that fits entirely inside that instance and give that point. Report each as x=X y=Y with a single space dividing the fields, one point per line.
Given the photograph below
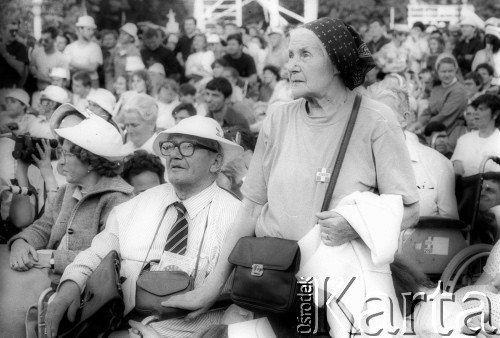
x=80 y=54
x=471 y=150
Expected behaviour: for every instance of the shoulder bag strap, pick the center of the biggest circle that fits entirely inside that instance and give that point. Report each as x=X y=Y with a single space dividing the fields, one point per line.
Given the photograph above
x=156 y=233
x=342 y=152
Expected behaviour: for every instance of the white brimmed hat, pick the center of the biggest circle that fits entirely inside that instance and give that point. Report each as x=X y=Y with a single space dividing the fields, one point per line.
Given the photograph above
x=59 y=72
x=130 y=29
x=157 y=68
x=18 y=94
x=62 y=112
x=55 y=93
x=213 y=38
x=401 y=27
x=104 y=99
x=469 y=21
x=492 y=30
x=134 y=63
x=86 y=21
x=97 y=136
x=203 y=127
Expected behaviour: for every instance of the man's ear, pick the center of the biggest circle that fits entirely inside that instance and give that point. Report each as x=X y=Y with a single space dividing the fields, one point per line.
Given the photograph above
x=217 y=163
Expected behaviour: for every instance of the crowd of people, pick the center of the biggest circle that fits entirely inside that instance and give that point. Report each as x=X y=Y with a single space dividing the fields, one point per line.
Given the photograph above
x=120 y=136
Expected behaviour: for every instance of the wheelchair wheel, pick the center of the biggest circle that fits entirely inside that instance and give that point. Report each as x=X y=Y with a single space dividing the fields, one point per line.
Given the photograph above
x=466 y=267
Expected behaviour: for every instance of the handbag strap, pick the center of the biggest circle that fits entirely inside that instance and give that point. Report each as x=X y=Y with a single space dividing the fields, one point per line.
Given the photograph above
x=156 y=233
x=342 y=152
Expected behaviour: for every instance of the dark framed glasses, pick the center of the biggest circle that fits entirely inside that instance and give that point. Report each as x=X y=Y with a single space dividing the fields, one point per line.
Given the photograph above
x=186 y=148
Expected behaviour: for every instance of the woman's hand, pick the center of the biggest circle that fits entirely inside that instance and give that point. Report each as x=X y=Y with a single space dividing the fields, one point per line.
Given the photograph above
x=139 y=330
x=20 y=252
x=335 y=230
x=43 y=162
x=199 y=301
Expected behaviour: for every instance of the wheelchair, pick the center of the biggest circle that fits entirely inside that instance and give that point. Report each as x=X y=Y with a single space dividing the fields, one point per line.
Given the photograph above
x=446 y=249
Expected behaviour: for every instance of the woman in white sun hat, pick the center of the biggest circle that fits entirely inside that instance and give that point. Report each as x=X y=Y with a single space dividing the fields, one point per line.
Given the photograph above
x=16 y=117
x=90 y=159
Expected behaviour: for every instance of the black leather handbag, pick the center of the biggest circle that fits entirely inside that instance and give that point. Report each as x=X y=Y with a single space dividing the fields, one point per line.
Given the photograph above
x=265 y=268
x=101 y=308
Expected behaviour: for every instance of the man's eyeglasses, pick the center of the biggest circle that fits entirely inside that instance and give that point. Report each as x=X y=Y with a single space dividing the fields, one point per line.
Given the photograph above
x=186 y=148
x=62 y=155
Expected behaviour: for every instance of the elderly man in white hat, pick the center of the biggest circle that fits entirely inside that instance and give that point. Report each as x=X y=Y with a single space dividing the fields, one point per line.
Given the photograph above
x=469 y=44
x=126 y=47
x=172 y=224
x=84 y=54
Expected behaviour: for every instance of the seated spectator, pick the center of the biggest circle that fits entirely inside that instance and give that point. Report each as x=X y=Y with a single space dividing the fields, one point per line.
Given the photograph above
x=199 y=62
x=168 y=99
x=108 y=41
x=91 y=166
x=153 y=51
x=61 y=42
x=487 y=228
x=283 y=91
x=193 y=143
x=84 y=54
x=448 y=100
x=46 y=58
x=217 y=97
x=218 y=67
x=140 y=115
x=52 y=97
x=270 y=78
x=140 y=82
x=81 y=87
x=143 y=171
x=433 y=172
x=468 y=44
x=59 y=77
x=119 y=86
x=214 y=45
x=473 y=83
x=126 y=47
x=277 y=51
x=232 y=75
x=157 y=75
x=491 y=53
x=474 y=146
x=377 y=33
x=436 y=47
x=183 y=111
x=394 y=57
x=487 y=73
x=16 y=117
x=102 y=103
x=242 y=62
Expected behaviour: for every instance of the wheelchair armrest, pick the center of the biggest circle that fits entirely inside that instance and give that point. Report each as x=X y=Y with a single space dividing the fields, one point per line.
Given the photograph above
x=440 y=222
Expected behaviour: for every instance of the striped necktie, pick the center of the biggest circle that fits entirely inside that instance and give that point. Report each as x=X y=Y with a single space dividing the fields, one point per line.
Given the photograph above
x=178 y=235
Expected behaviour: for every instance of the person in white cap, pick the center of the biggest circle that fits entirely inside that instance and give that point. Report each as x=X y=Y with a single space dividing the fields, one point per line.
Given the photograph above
x=394 y=57
x=59 y=77
x=84 y=54
x=102 y=103
x=126 y=47
x=468 y=45
x=16 y=117
x=52 y=97
x=195 y=151
x=90 y=159
x=46 y=58
x=277 y=53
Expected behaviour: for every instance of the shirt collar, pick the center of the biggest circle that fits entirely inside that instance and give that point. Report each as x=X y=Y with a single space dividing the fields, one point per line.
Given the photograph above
x=77 y=194
x=196 y=203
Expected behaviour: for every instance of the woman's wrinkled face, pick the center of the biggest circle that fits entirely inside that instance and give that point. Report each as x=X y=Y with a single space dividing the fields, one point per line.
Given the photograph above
x=138 y=84
x=446 y=72
x=72 y=168
x=311 y=72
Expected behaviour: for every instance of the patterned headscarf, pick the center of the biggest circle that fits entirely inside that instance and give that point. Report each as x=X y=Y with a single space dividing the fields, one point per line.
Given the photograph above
x=345 y=48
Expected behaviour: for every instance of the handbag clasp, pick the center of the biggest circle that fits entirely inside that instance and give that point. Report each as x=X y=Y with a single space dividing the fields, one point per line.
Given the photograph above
x=257 y=270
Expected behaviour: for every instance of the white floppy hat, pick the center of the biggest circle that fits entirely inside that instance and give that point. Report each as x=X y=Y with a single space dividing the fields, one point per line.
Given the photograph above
x=157 y=68
x=130 y=29
x=491 y=30
x=62 y=112
x=18 y=94
x=203 y=127
x=55 y=93
x=59 y=72
x=213 y=38
x=104 y=99
x=86 y=21
x=134 y=63
x=469 y=21
x=97 y=136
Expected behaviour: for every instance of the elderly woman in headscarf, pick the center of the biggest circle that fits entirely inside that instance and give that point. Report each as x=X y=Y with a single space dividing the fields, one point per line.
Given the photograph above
x=327 y=61
x=90 y=159
x=448 y=100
